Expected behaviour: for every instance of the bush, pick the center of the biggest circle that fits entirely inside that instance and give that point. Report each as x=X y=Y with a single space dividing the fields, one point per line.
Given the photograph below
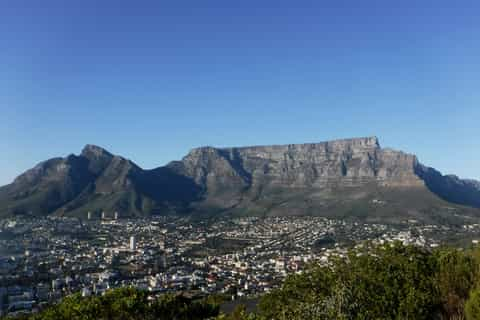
x=377 y=282
x=455 y=277
x=391 y=282
x=128 y=304
x=472 y=307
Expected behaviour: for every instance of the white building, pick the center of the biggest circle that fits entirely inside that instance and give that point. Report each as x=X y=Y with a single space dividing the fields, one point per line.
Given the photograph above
x=133 y=243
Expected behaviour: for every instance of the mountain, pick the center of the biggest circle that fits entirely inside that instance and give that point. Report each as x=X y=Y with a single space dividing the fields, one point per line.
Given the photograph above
x=341 y=178
x=95 y=181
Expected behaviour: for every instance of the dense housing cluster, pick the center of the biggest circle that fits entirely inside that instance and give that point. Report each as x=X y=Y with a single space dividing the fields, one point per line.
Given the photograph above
x=45 y=259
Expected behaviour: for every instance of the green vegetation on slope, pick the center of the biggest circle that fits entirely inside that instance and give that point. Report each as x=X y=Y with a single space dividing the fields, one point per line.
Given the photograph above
x=388 y=282
x=128 y=304
x=372 y=282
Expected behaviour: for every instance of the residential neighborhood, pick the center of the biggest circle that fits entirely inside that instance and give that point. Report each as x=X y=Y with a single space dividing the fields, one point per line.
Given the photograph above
x=44 y=259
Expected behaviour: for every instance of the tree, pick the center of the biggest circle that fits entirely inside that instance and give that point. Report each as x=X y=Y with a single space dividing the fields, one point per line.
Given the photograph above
x=456 y=274
x=128 y=304
x=472 y=307
x=385 y=282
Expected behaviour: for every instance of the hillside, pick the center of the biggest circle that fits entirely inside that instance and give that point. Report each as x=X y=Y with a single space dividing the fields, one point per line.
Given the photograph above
x=341 y=178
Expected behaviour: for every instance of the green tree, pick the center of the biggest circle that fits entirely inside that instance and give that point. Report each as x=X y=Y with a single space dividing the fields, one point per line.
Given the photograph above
x=128 y=304
x=386 y=282
x=455 y=277
x=472 y=306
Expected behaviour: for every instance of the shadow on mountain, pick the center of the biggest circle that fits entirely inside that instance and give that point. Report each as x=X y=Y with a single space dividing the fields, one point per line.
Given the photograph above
x=450 y=188
x=164 y=185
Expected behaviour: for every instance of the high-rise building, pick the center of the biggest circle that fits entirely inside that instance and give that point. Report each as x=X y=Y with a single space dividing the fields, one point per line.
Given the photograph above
x=104 y=215
x=89 y=215
x=133 y=243
x=116 y=215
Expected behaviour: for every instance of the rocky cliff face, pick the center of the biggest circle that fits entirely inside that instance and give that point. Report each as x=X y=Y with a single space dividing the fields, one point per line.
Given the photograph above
x=298 y=178
x=335 y=178
x=347 y=163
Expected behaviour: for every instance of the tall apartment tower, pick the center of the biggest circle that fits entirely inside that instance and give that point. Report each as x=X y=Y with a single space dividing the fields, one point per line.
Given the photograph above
x=89 y=215
x=133 y=243
x=116 y=215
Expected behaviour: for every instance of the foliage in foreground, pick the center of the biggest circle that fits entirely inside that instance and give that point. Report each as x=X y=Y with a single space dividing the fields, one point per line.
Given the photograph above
x=382 y=282
x=392 y=282
x=128 y=304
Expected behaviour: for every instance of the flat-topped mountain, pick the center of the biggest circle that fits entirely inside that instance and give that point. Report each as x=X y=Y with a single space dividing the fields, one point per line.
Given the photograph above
x=341 y=178
x=350 y=162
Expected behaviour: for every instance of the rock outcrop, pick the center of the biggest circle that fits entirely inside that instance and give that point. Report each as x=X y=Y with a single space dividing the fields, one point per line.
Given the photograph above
x=349 y=162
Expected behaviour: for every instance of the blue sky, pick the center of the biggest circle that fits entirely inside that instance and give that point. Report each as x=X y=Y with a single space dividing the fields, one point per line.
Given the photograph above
x=152 y=79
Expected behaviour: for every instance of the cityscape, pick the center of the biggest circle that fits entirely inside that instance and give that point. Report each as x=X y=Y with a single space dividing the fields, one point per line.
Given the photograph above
x=239 y=160
x=45 y=259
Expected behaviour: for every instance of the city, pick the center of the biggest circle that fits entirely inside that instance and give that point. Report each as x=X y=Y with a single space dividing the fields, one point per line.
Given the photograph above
x=45 y=259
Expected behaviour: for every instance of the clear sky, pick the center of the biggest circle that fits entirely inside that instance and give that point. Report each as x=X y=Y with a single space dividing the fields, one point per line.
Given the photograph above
x=151 y=79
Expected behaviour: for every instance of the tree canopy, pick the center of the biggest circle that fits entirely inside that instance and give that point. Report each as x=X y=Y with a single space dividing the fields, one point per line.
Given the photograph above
x=128 y=304
x=385 y=282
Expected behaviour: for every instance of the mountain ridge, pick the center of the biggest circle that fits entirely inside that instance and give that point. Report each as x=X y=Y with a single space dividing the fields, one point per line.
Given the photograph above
x=335 y=178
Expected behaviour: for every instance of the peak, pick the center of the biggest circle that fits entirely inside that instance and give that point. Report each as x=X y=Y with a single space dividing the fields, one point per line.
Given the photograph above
x=98 y=157
x=91 y=149
x=202 y=151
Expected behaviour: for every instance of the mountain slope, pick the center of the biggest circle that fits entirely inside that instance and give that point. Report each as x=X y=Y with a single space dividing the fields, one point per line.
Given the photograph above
x=342 y=178
x=94 y=181
x=450 y=187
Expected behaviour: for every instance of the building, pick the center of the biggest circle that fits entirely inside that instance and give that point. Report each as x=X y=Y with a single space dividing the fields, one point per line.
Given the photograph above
x=133 y=243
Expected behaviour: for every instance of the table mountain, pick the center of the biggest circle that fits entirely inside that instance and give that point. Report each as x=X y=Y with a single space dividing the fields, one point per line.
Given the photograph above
x=342 y=178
